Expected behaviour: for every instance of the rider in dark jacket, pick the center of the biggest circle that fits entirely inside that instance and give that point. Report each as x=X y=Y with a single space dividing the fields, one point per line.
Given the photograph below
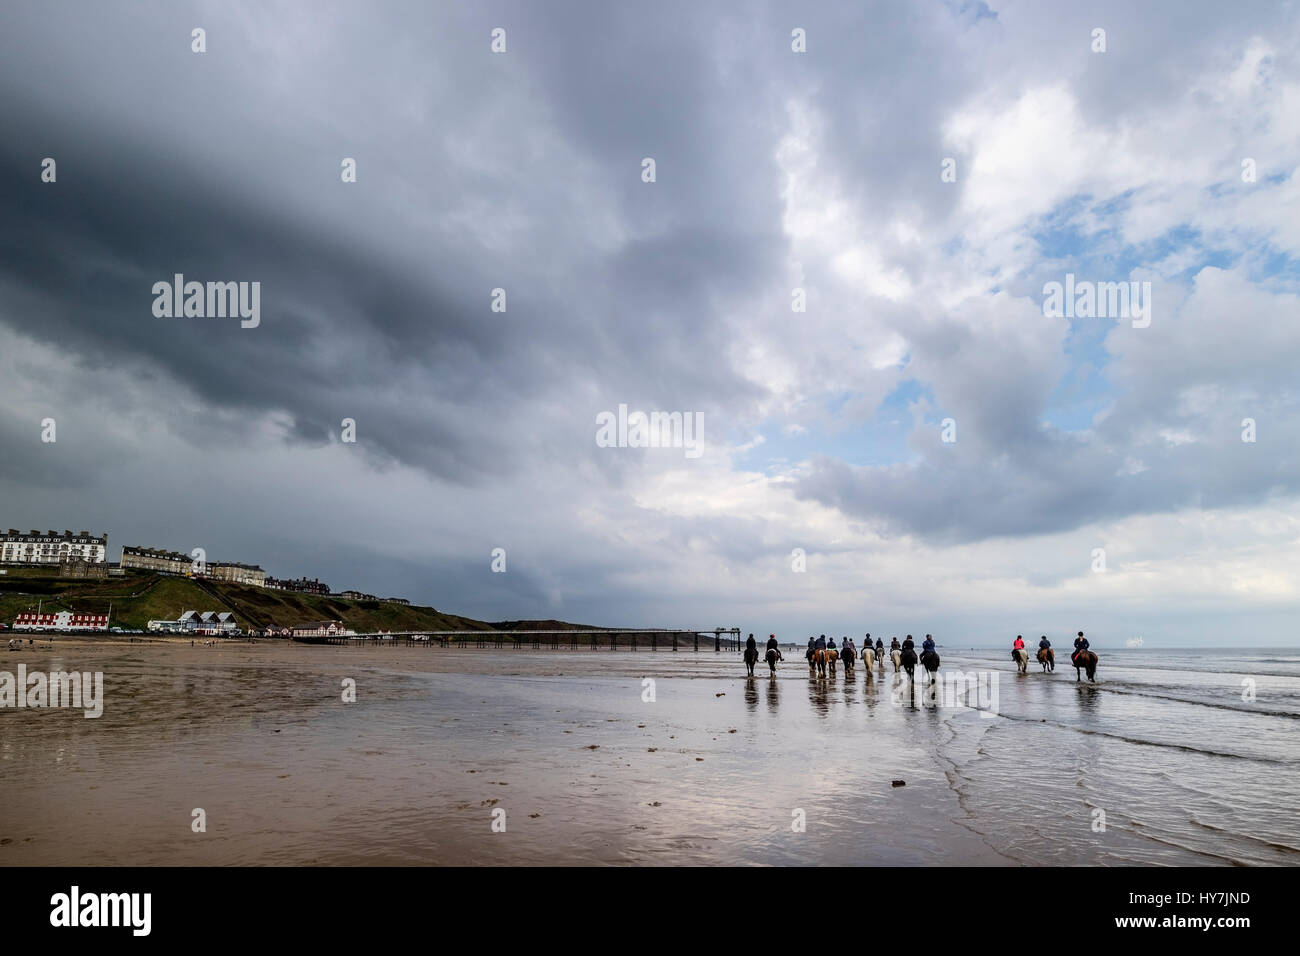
x=908 y=644
x=1080 y=644
x=927 y=646
x=1044 y=643
x=821 y=643
x=880 y=647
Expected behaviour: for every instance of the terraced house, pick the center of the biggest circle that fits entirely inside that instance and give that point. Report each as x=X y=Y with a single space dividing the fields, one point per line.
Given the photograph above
x=52 y=547
x=153 y=559
x=237 y=573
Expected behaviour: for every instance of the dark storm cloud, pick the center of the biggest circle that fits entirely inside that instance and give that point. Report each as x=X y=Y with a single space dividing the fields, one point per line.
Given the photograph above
x=348 y=314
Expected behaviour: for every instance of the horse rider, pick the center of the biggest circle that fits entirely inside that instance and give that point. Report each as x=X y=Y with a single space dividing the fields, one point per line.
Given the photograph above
x=772 y=644
x=893 y=644
x=1044 y=644
x=880 y=647
x=927 y=646
x=849 y=649
x=830 y=645
x=1080 y=644
x=909 y=644
x=751 y=646
x=1019 y=645
x=821 y=643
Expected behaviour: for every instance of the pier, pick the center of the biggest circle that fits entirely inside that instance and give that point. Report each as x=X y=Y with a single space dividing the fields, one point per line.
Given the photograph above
x=631 y=639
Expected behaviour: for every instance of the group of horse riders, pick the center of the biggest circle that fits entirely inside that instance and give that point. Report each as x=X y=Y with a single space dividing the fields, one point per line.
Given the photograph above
x=1045 y=653
x=1081 y=657
x=821 y=651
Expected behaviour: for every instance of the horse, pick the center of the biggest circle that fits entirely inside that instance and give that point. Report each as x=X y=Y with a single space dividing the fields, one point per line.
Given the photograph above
x=817 y=662
x=930 y=661
x=751 y=658
x=868 y=659
x=1021 y=657
x=832 y=655
x=848 y=657
x=773 y=655
x=1047 y=657
x=896 y=656
x=1086 y=660
x=908 y=659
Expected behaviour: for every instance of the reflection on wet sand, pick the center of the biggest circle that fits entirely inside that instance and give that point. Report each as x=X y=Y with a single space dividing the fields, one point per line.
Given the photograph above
x=589 y=771
x=817 y=696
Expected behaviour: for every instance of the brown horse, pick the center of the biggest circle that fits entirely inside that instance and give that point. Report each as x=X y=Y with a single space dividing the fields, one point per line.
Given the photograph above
x=848 y=657
x=817 y=662
x=1047 y=657
x=832 y=655
x=1086 y=660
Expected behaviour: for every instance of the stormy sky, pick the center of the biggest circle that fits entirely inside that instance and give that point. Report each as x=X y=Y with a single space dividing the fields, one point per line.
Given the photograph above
x=1169 y=159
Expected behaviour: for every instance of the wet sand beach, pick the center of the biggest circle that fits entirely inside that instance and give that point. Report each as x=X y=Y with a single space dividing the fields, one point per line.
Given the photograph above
x=716 y=769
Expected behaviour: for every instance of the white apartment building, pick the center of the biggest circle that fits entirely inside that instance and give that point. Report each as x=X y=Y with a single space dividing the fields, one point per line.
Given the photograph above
x=51 y=547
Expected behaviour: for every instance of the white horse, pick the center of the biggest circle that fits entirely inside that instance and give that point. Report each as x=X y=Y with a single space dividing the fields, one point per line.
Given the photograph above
x=1022 y=659
x=868 y=658
x=896 y=655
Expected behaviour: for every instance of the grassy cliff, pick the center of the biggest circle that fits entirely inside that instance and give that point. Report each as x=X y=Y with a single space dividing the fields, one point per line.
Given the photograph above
x=140 y=597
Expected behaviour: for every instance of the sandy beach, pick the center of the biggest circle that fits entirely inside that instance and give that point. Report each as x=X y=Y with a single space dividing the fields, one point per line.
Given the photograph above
x=458 y=756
